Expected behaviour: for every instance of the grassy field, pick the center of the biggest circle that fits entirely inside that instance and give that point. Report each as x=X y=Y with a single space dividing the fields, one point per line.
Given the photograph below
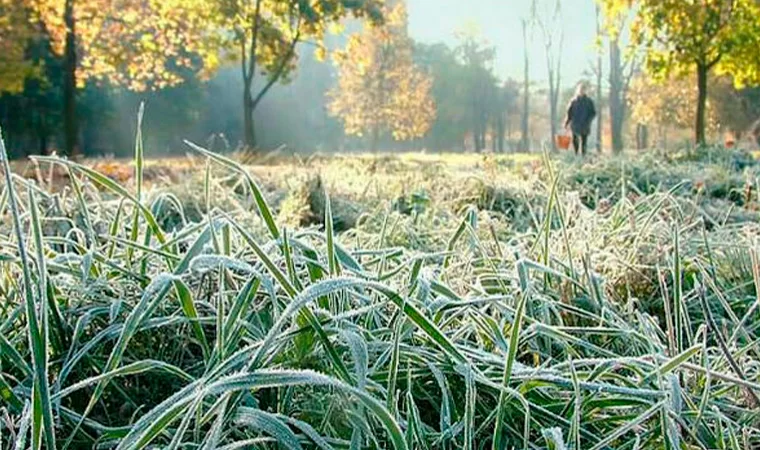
x=411 y=302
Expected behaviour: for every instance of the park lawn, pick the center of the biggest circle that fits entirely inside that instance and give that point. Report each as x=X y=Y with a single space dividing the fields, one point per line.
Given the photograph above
x=400 y=301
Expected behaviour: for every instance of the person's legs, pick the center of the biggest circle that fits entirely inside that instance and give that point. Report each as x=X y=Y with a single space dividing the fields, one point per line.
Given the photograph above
x=584 y=143
x=575 y=142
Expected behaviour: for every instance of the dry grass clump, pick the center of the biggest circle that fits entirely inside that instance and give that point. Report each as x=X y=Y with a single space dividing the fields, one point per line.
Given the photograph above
x=305 y=205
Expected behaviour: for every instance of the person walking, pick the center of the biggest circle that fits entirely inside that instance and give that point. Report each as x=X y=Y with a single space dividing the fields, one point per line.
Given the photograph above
x=580 y=114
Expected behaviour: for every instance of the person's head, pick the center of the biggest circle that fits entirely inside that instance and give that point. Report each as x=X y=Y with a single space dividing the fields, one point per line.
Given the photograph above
x=581 y=89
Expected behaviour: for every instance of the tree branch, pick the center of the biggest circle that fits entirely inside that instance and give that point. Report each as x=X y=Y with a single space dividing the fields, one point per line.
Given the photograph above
x=714 y=61
x=243 y=59
x=275 y=76
x=254 y=42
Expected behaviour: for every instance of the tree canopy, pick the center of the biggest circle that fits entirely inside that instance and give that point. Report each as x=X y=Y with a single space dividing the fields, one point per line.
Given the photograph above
x=687 y=38
x=380 y=89
x=263 y=35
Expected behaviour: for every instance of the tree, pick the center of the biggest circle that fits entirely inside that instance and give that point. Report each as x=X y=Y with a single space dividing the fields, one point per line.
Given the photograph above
x=469 y=99
x=263 y=37
x=138 y=45
x=552 y=32
x=16 y=34
x=525 y=120
x=697 y=38
x=666 y=104
x=616 y=27
x=599 y=74
x=736 y=110
x=477 y=57
x=380 y=90
x=621 y=74
x=449 y=93
x=502 y=109
x=28 y=74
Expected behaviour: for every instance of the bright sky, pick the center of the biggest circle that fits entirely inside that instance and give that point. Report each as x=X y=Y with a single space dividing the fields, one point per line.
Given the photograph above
x=500 y=22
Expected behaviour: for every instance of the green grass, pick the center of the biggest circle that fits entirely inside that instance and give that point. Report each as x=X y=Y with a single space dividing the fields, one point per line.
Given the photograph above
x=473 y=302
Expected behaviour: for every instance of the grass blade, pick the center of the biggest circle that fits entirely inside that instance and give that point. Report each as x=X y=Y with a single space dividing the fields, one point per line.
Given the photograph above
x=42 y=411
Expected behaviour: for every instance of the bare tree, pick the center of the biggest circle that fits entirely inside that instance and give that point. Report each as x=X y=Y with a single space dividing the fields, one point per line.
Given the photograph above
x=599 y=73
x=553 y=36
x=622 y=71
x=525 y=138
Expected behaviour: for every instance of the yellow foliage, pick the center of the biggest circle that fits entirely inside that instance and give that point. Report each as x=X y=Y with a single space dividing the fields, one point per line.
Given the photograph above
x=320 y=53
x=135 y=44
x=149 y=44
x=380 y=88
x=679 y=35
x=15 y=33
x=670 y=102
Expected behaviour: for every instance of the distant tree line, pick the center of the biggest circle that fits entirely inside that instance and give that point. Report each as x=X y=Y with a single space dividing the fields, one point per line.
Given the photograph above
x=341 y=75
x=432 y=95
x=699 y=41
x=54 y=50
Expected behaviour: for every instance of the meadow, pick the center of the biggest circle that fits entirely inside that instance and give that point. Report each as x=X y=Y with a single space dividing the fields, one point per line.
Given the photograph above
x=406 y=301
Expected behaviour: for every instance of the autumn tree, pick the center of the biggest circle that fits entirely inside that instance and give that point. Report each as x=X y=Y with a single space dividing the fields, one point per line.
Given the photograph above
x=696 y=38
x=615 y=28
x=666 y=105
x=137 y=45
x=16 y=33
x=263 y=37
x=380 y=89
x=29 y=103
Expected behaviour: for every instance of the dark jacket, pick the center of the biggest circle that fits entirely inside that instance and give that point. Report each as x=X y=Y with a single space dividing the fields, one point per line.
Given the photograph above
x=580 y=113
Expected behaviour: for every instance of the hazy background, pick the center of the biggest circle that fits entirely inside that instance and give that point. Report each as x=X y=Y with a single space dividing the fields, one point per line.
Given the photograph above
x=478 y=100
x=499 y=22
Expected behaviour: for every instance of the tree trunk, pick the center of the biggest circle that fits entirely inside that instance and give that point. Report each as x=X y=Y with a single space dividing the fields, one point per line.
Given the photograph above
x=375 y=143
x=701 y=104
x=555 y=67
x=599 y=124
x=500 y=130
x=248 y=66
x=553 y=98
x=617 y=97
x=483 y=130
x=478 y=127
x=476 y=120
x=642 y=137
x=70 y=128
x=248 y=125
x=525 y=138
x=42 y=134
x=638 y=136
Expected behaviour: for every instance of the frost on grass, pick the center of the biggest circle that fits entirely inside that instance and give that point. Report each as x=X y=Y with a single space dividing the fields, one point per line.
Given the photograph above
x=396 y=333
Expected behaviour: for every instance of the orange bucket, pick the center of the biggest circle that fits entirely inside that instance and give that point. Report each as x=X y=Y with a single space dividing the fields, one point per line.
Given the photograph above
x=563 y=141
x=729 y=141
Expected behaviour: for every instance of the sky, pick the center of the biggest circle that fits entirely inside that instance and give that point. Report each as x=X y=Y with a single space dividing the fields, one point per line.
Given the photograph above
x=499 y=21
